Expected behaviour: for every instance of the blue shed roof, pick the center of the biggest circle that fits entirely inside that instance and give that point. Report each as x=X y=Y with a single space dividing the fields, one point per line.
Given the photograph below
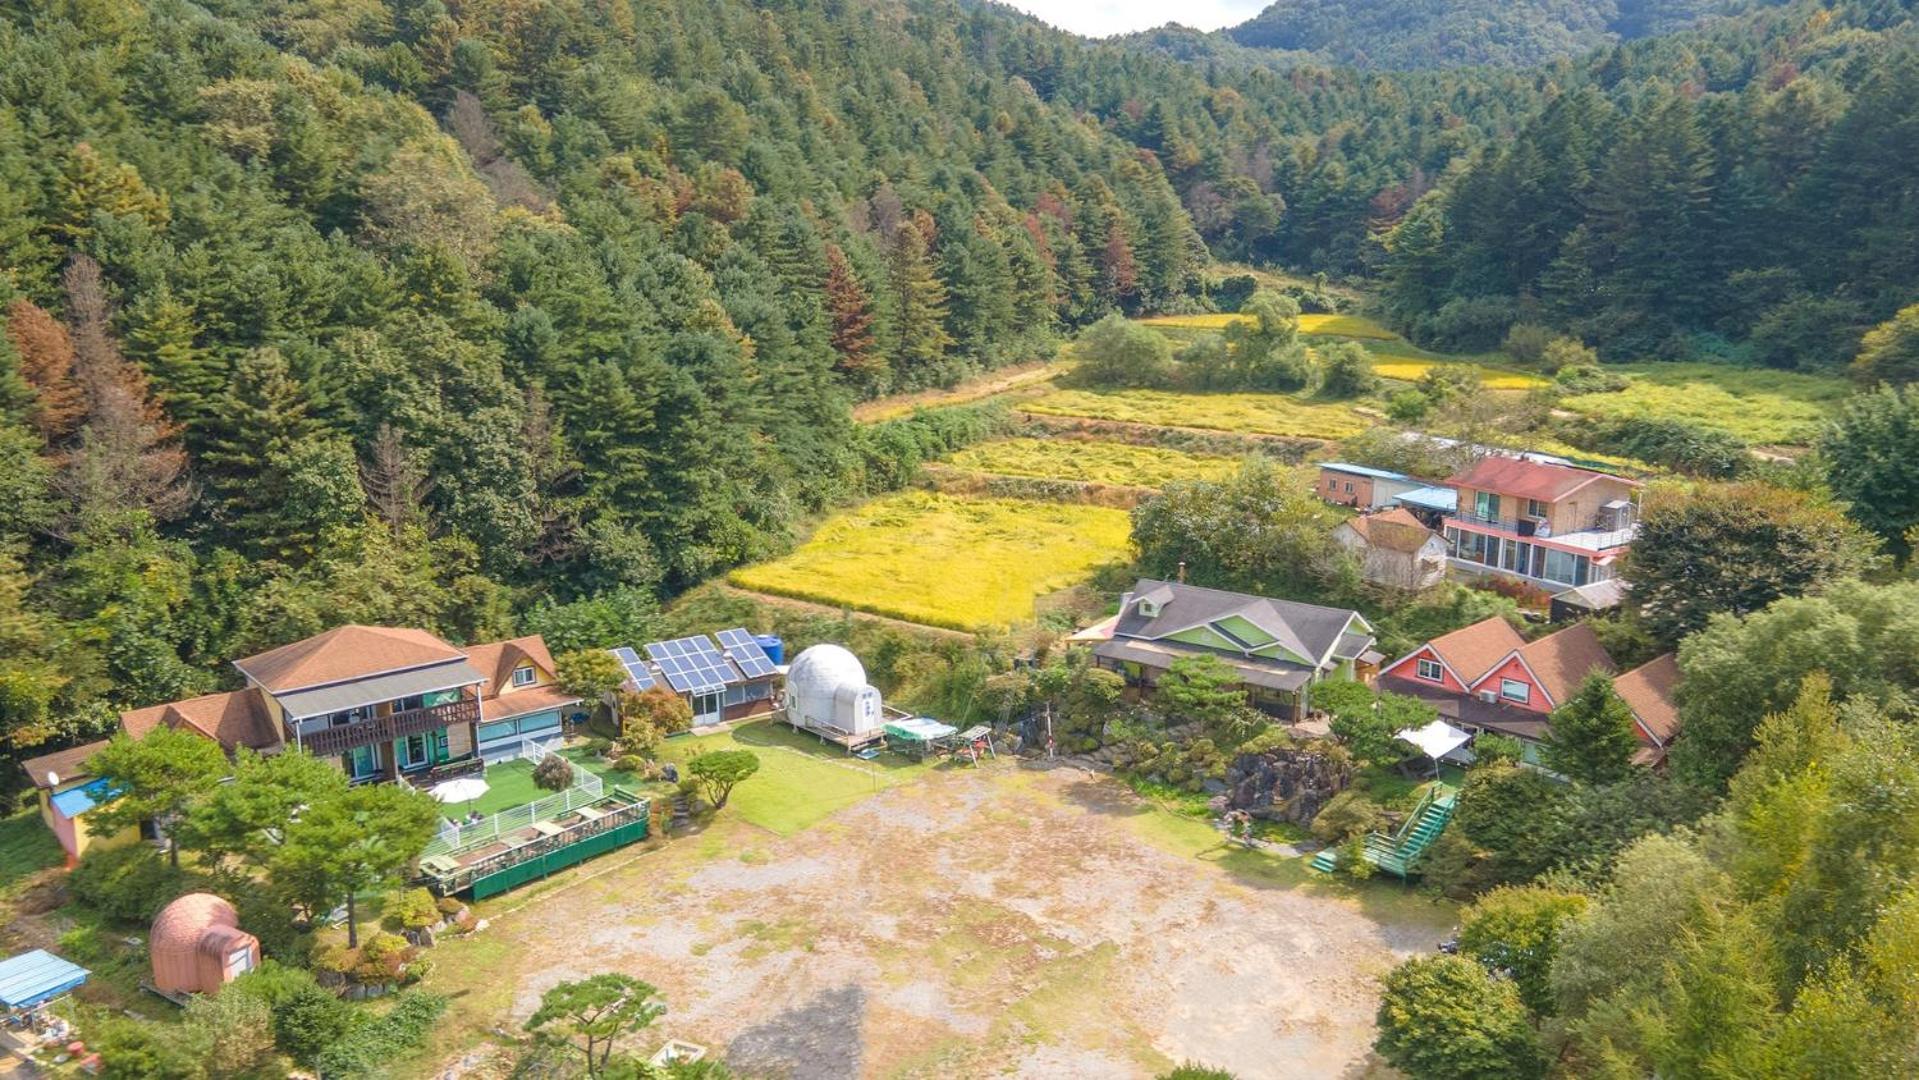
x=1443 y=499
x=1363 y=470
x=35 y=977
x=73 y=802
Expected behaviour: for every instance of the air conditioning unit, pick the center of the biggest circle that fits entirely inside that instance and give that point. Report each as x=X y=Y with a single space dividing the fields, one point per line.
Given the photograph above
x=1490 y=697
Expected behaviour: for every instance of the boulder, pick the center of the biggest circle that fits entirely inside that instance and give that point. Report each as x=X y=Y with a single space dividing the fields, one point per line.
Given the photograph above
x=1285 y=784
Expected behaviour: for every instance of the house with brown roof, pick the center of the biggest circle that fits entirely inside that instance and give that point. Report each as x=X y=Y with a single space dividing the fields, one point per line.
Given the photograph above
x=1648 y=691
x=1557 y=526
x=1394 y=549
x=382 y=703
x=521 y=699
x=1486 y=677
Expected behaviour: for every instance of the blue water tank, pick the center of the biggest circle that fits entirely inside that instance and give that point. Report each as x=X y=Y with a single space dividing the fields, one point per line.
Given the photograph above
x=774 y=647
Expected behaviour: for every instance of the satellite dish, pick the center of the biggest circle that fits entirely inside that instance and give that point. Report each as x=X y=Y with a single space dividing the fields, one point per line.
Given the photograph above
x=53 y=778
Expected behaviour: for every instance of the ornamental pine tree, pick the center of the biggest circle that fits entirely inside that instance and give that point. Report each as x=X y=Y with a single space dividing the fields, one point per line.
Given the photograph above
x=1592 y=737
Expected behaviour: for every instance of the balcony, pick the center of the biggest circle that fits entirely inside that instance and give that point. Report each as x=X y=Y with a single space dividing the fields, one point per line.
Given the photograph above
x=1589 y=539
x=377 y=729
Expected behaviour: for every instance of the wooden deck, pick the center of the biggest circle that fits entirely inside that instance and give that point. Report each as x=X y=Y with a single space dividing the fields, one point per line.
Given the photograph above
x=844 y=739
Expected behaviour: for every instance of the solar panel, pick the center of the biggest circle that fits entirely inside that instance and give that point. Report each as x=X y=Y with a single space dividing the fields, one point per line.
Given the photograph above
x=746 y=653
x=692 y=665
x=636 y=669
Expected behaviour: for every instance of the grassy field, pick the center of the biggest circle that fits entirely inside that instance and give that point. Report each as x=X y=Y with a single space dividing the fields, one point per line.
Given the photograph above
x=1258 y=414
x=964 y=564
x=27 y=847
x=1758 y=405
x=1095 y=462
x=801 y=780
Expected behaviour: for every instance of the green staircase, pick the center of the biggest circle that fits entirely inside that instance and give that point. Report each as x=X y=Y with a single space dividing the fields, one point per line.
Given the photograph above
x=1398 y=854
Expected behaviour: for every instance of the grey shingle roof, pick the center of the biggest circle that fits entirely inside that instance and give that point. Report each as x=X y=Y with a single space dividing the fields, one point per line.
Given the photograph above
x=1309 y=630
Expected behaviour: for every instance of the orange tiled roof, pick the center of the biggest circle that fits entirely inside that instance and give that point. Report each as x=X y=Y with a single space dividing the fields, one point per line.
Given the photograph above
x=344 y=653
x=1393 y=530
x=1561 y=660
x=234 y=719
x=1472 y=651
x=1648 y=690
x=1529 y=479
x=497 y=659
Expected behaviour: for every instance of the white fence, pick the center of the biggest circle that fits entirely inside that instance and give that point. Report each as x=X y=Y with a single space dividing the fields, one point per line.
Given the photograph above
x=453 y=837
x=535 y=749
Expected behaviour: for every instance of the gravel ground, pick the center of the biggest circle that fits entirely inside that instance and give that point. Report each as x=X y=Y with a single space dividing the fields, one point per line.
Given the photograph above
x=992 y=922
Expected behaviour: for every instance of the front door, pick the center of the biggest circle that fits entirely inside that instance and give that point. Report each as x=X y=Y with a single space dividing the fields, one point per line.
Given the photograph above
x=362 y=762
x=706 y=707
x=410 y=752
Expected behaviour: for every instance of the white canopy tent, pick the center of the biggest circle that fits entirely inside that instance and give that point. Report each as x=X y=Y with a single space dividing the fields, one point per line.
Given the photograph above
x=1435 y=740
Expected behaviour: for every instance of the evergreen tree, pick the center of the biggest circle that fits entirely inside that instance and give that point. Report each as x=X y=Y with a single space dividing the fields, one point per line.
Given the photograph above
x=918 y=317
x=850 y=313
x=1593 y=736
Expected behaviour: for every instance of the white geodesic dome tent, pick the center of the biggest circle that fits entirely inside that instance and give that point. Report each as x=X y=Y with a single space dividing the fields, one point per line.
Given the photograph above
x=826 y=688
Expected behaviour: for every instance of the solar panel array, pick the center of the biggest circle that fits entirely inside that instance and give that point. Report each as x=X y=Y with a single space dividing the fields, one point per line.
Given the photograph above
x=636 y=668
x=692 y=665
x=746 y=653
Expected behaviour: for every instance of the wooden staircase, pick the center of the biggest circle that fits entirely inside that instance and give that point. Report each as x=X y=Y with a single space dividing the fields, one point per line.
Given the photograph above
x=1398 y=853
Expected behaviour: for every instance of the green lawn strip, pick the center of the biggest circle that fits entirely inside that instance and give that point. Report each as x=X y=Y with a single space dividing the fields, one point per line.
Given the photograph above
x=510 y=783
x=801 y=780
x=27 y=847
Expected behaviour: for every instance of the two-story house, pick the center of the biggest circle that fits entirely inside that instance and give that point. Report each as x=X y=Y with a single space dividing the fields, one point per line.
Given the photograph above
x=1278 y=648
x=1557 y=526
x=382 y=703
x=1486 y=677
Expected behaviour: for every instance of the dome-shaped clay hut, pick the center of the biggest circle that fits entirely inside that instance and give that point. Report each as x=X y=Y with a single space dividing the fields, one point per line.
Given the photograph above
x=826 y=688
x=198 y=946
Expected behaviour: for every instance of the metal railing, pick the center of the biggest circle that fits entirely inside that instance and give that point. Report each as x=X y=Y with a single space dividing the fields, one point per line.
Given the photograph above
x=1593 y=537
x=455 y=837
x=622 y=809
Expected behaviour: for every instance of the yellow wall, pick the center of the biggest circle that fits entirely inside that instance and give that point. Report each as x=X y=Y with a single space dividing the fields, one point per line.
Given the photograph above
x=75 y=836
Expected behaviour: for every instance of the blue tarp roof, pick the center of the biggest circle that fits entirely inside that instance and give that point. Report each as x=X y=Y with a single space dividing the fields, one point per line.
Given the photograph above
x=1443 y=499
x=35 y=977
x=1363 y=470
x=73 y=802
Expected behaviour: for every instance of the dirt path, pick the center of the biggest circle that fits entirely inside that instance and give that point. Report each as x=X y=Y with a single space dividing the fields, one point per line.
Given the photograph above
x=991 y=384
x=812 y=608
x=990 y=922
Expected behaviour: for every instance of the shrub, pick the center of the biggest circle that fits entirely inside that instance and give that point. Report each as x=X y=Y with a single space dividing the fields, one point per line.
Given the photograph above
x=1590 y=379
x=410 y=909
x=554 y=773
x=382 y=960
x=1348 y=814
x=1443 y=382
x=309 y=1020
x=1677 y=444
x=1352 y=858
x=1491 y=749
x=1116 y=351
x=142 y=1050
x=268 y=915
x=1347 y=371
x=237 y=1030
x=1807 y=332
x=632 y=763
x=1526 y=342
x=367 y=1047
x=1567 y=352
x=131 y=883
x=1470 y=324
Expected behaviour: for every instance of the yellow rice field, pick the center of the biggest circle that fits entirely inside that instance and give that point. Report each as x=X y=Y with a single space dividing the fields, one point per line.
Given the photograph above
x=1255 y=414
x=1352 y=326
x=1093 y=462
x=941 y=560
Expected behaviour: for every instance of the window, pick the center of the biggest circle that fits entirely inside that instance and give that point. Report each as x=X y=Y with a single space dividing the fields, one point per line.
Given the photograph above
x=1349 y=487
x=1431 y=671
x=524 y=675
x=362 y=762
x=1514 y=690
x=1535 y=508
x=1486 y=505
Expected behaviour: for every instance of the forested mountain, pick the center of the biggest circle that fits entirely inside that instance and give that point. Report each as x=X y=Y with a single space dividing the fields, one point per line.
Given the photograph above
x=1752 y=190
x=448 y=314
x=573 y=296
x=1400 y=34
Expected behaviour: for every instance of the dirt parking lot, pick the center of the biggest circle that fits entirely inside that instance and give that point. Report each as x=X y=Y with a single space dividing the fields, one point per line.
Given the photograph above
x=1004 y=921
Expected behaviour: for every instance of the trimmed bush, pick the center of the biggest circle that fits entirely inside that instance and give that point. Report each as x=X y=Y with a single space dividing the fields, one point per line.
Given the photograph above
x=131 y=883
x=554 y=773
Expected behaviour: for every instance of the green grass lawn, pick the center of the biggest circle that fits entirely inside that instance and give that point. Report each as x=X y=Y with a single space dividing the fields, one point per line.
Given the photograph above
x=510 y=783
x=27 y=847
x=801 y=780
x=1757 y=404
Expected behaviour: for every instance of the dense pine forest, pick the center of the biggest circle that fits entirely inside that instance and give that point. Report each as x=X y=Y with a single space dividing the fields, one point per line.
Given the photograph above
x=507 y=315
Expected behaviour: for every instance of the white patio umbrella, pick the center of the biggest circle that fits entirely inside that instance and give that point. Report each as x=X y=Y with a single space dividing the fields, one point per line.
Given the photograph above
x=1435 y=740
x=464 y=790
